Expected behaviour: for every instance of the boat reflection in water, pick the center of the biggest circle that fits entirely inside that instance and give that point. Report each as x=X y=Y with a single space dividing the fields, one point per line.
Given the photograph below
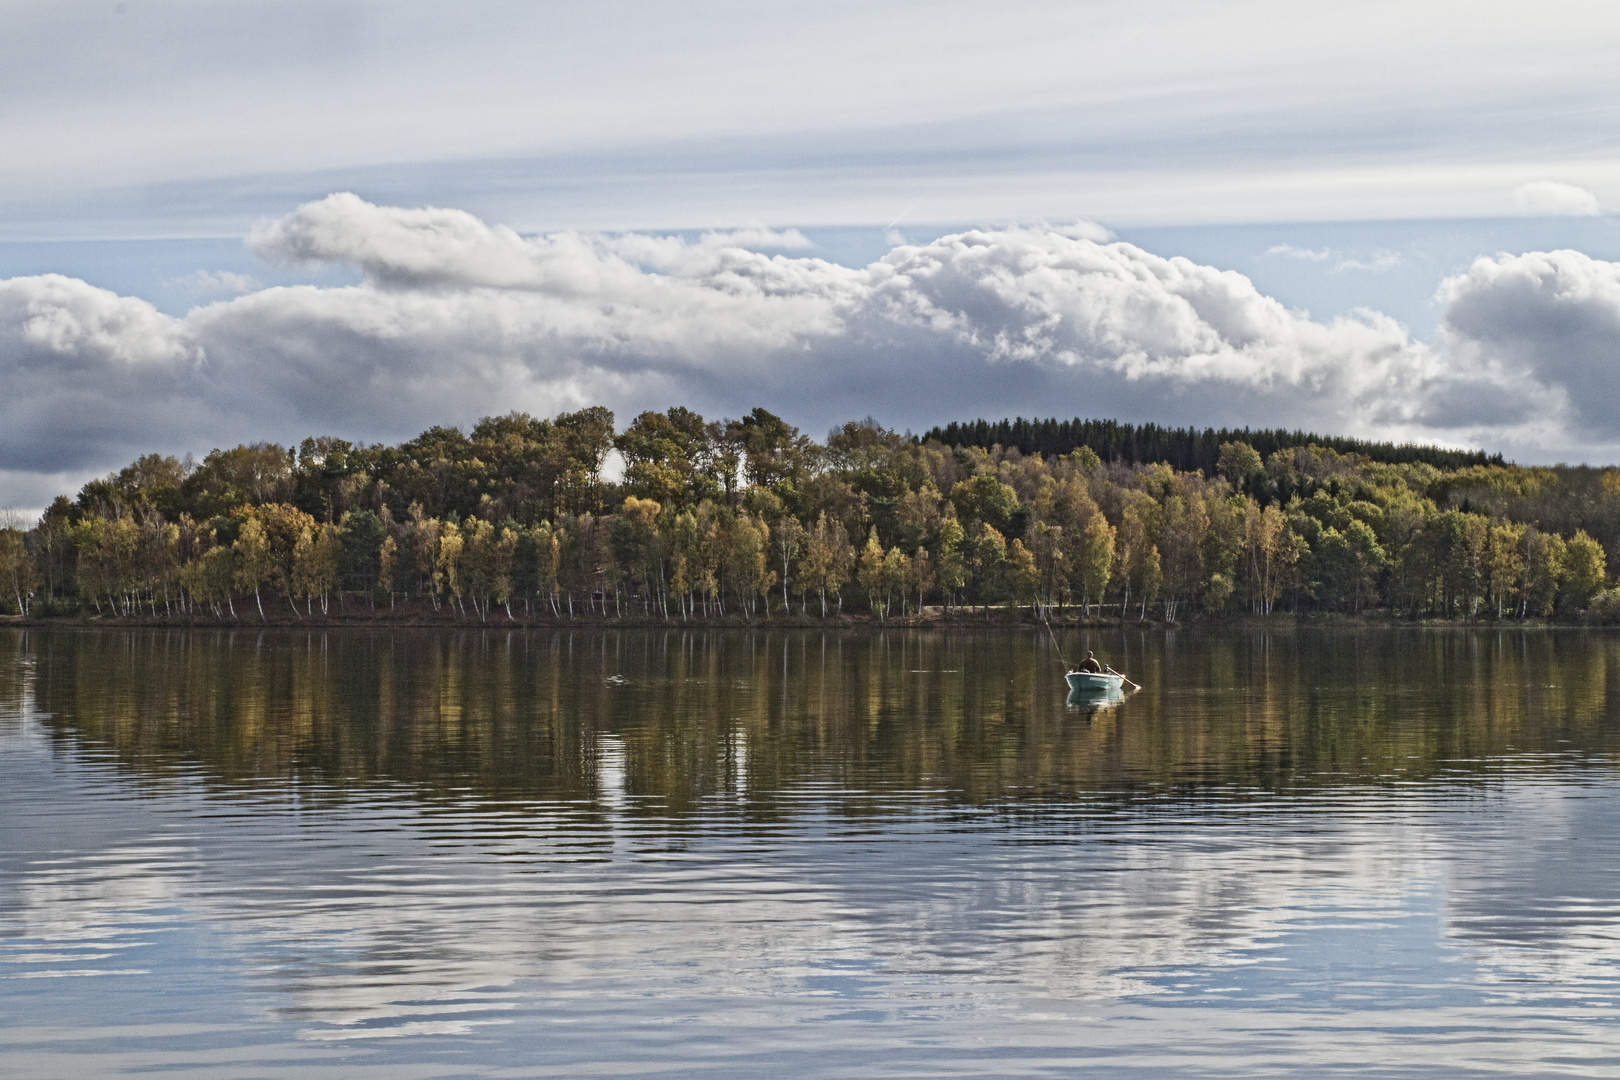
x=1094 y=698
x=1094 y=690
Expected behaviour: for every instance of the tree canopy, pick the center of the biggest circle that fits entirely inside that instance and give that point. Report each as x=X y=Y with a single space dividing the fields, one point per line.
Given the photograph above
x=749 y=517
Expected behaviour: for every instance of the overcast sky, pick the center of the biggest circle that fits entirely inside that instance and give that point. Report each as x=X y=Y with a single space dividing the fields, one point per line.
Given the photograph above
x=1377 y=219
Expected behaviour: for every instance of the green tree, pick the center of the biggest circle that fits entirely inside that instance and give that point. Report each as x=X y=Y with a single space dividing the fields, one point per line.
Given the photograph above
x=952 y=573
x=426 y=534
x=920 y=575
x=362 y=534
x=305 y=574
x=1096 y=560
x=1183 y=528
x=477 y=564
x=1505 y=555
x=1583 y=570
x=447 y=563
x=1367 y=561
x=1543 y=569
x=328 y=559
x=984 y=498
x=504 y=557
x=685 y=560
x=1131 y=542
x=17 y=571
x=1022 y=575
x=665 y=456
x=640 y=547
x=251 y=559
x=870 y=573
x=773 y=451
x=1240 y=463
x=827 y=559
x=548 y=563
x=217 y=573
x=387 y=556
x=1152 y=582
x=1051 y=569
x=989 y=561
x=788 y=538
x=893 y=578
x=1267 y=548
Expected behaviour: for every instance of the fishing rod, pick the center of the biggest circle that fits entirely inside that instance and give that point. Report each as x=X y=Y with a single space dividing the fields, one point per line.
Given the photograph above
x=1061 y=658
x=1064 y=660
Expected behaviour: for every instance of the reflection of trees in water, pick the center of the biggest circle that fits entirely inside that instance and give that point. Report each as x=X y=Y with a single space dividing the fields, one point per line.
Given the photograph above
x=16 y=667
x=746 y=717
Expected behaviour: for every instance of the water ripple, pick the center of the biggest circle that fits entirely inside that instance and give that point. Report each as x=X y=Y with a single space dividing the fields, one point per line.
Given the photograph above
x=840 y=870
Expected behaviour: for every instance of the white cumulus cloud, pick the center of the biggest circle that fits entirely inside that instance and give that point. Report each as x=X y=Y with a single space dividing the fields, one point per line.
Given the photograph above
x=456 y=318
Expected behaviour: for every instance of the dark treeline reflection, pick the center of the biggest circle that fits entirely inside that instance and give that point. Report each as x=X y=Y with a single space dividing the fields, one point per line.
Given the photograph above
x=658 y=722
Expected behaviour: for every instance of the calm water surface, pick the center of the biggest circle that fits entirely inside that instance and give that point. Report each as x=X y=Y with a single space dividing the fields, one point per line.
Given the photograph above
x=490 y=854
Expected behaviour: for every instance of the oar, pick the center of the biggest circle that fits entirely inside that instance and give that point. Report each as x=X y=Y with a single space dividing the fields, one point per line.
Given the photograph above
x=1133 y=686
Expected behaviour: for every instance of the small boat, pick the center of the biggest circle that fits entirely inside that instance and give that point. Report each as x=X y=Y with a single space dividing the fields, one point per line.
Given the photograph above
x=1093 y=681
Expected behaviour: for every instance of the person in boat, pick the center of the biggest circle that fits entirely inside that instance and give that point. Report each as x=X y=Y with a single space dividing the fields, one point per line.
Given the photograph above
x=1090 y=664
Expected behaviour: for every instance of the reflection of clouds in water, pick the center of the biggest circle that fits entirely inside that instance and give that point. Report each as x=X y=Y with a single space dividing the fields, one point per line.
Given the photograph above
x=375 y=915
x=60 y=916
x=102 y=910
x=369 y=912
x=372 y=918
x=378 y=919
x=411 y=924
x=1109 y=911
x=1537 y=908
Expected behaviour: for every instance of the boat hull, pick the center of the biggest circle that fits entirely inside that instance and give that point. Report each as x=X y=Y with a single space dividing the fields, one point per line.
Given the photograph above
x=1089 y=681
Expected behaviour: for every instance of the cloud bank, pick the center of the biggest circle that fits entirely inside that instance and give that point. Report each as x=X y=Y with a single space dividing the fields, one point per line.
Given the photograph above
x=1549 y=198
x=167 y=117
x=456 y=318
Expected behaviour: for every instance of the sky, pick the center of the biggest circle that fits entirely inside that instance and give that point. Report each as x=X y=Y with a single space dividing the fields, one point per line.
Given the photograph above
x=262 y=219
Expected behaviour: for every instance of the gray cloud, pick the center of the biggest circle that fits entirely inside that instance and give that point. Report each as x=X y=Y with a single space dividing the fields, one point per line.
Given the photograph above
x=1546 y=325
x=456 y=318
x=88 y=374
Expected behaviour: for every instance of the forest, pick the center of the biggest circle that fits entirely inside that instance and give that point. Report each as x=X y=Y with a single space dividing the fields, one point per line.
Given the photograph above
x=750 y=519
x=1181 y=448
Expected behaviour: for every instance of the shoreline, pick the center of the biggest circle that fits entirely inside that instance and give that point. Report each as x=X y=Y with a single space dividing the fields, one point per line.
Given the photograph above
x=976 y=621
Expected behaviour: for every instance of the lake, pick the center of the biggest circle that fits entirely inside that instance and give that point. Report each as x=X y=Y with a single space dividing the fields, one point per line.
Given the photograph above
x=354 y=853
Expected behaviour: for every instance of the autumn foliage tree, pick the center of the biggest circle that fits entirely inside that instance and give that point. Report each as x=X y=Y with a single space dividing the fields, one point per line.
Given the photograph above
x=740 y=519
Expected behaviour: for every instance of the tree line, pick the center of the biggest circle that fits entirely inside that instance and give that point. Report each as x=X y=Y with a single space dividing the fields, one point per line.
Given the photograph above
x=1182 y=448
x=750 y=518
